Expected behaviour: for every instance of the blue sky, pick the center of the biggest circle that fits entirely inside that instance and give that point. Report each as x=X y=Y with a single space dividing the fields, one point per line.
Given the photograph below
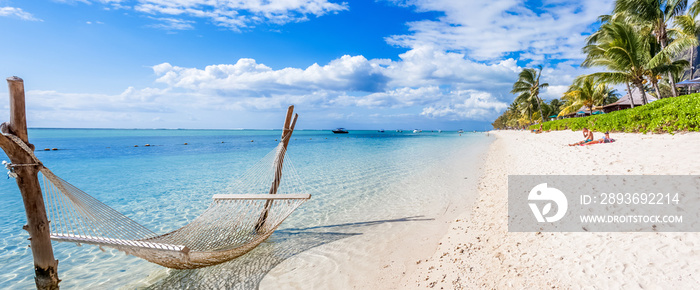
x=389 y=64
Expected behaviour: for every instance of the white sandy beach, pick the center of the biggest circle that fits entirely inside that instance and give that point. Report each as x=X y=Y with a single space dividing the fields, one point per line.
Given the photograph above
x=479 y=252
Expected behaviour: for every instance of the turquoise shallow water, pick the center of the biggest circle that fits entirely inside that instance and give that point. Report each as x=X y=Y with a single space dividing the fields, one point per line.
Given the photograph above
x=168 y=184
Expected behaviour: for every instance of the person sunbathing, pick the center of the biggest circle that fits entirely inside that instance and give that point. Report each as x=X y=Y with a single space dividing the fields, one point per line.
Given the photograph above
x=588 y=134
x=536 y=130
x=605 y=139
x=540 y=130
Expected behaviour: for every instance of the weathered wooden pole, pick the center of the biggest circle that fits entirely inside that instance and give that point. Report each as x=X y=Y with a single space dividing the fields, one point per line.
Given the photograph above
x=286 y=136
x=45 y=266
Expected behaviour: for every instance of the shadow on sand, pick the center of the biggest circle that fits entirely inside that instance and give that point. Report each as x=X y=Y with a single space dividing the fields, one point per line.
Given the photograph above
x=247 y=271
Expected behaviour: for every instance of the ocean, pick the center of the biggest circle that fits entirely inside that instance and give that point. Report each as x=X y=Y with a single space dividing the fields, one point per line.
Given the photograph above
x=358 y=181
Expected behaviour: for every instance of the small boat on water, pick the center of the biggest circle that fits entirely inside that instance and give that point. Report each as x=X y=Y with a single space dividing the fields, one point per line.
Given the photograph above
x=439 y=131
x=460 y=131
x=399 y=130
x=340 y=131
x=417 y=131
x=381 y=131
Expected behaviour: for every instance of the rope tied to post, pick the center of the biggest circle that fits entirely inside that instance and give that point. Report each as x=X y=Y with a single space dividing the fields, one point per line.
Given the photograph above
x=11 y=168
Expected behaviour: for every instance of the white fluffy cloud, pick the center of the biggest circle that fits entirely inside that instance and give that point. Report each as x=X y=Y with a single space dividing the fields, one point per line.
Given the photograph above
x=233 y=15
x=240 y=14
x=465 y=105
x=397 y=98
x=18 y=13
x=428 y=65
x=424 y=66
x=423 y=78
x=348 y=73
x=489 y=30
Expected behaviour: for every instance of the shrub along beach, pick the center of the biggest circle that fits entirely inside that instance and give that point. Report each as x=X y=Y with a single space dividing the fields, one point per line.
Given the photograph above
x=681 y=114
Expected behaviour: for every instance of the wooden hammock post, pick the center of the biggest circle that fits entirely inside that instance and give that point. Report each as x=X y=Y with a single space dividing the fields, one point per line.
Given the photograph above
x=286 y=136
x=45 y=266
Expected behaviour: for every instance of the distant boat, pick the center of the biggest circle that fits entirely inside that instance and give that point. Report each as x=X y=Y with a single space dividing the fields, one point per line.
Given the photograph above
x=340 y=131
x=417 y=131
x=439 y=131
x=381 y=130
x=460 y=131
x=399 y=130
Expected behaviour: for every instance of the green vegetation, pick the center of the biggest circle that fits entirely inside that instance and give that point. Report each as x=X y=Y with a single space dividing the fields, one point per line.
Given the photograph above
x=587 y=93
x=668 y=115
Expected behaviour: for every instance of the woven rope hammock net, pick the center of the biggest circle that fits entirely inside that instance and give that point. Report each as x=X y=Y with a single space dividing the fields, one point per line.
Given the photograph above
x=233 y=224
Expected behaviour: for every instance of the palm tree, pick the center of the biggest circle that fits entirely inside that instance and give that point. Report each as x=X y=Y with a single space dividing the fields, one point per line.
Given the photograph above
x=662 y=64
x=586 y=92
x=656 y=14
x=674 y=68
x=525 y=106
x=555 y=106
x=596 y=44
x=665 y=86
x=528 y=86
x=624 y=51
x=613 y=96
x=687 y=29
x=552 y=108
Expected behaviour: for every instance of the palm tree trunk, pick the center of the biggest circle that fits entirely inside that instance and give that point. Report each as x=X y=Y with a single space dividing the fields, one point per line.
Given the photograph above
x=656 y=88
x=644 y=95
x=629 y=92
x=662 y=42
x=539 y=104
x=692 y=65
x=673 y=85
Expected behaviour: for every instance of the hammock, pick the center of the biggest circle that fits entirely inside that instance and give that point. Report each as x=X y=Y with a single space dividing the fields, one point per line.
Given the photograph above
x=231 y=226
